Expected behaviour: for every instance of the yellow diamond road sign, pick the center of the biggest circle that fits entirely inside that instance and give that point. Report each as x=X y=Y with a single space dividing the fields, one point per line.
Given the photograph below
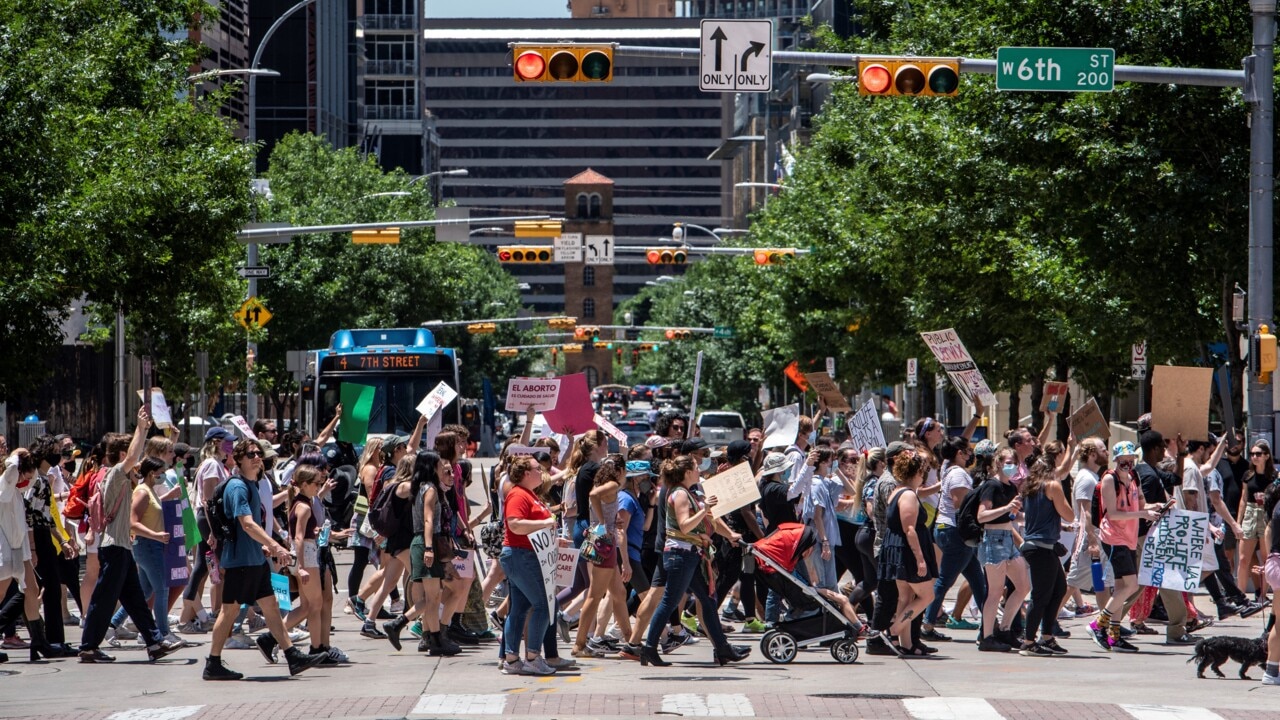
x=253 y=313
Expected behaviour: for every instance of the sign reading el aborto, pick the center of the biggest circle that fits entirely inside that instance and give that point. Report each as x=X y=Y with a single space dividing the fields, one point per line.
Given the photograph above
x=540 y=394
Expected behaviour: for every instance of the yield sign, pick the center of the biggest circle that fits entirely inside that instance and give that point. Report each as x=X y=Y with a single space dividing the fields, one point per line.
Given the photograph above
x=252 y=313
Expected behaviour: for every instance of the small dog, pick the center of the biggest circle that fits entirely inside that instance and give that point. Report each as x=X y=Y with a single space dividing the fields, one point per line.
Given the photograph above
x=1214 y=651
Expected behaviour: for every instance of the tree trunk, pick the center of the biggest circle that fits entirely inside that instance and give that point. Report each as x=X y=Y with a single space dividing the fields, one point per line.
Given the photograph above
x=1037 y=394
x=1015 y=411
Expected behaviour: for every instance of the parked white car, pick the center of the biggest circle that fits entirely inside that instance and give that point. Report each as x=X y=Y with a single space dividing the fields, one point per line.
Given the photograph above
x=720 y=427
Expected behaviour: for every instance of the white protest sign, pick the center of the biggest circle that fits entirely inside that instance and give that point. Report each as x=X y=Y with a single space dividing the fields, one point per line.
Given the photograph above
x=546 y=547
x=612 y=429
x=566 y=566
x=781 y=425
x=243 y=427
x=434 y=426
x=956 y=361
x=865 y=430
x=1174 y=552
x=693 y=404
x=439 y=396
x=160 y=414
x=733 y=489
x=540 y=394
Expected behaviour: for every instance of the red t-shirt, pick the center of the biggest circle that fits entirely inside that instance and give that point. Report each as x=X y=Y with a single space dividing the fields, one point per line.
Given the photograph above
x=521 y=504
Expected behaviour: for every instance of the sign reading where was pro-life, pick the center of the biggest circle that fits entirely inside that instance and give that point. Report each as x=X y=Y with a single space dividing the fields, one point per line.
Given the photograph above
x=736 y=56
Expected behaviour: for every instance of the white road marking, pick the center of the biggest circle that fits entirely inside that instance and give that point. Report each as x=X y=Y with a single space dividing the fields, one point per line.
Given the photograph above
x=494 y=704
x=1170 y=712
x=951 y=708
x=712 y=705
x=177 y=712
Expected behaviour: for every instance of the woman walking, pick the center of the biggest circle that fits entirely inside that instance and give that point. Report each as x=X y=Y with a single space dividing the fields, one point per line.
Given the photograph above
x=907 y=553
x=1252 y=516
x=523 y=515
x=611 y=567
x=998 y=553
x=1046 y=508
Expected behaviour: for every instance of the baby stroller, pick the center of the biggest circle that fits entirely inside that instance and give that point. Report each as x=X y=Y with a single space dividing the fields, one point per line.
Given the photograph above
x=813 y=619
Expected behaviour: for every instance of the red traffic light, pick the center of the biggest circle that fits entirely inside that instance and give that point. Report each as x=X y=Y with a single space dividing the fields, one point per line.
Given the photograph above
x=875 y=78
x=671 y=334
x=504 y=255
x=666 y=256
x=654 y=256
x=530 y=65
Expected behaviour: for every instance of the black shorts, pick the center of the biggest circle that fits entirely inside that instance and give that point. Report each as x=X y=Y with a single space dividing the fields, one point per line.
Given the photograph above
x=659 y=576
x=639 y=580
x=1124 y=561
x=246 y=585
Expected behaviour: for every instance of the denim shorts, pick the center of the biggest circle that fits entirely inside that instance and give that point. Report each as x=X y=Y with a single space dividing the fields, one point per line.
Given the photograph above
x=997 y=547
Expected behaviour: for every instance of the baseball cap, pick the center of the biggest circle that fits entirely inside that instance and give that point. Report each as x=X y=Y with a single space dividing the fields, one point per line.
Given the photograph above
x=737 y=451
x=181 y=449
x=985 y=448
x=218 y=433
x=656 y=441
x=393 y=442
x=897 y=447
x=268 y=452
x=693 y=444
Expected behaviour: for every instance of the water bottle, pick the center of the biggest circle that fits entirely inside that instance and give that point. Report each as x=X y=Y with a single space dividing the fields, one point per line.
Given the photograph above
x=324 y=533
x=1099 y=582
x=215 y=572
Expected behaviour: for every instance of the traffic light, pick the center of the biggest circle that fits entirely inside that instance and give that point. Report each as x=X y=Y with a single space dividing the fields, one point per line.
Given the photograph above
x=537 y=228
x=930 y=77
x=571 y=348
x=561 y=323
x=562 y=63
x=586 y=332
x=524 y=254
x=385 y=236
x=773 y=256
x=508 y=352
x=619 y=353
x=666 y=256
x=601 y=345
x=1263 y=358
x=679 y=334
x=646 y=347
x=482 y=328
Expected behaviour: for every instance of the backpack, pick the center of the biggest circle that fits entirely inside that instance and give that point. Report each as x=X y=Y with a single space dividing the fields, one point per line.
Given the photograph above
x=80 y=494
x=967 y=524
x=1097 y=510
x=382 y=516
x=99 y=516
x=221 y=525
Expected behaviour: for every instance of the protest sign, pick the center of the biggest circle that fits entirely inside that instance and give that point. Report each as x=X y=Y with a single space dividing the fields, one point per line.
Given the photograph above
x=175 y=552
x=440 y=396
x=357 y=407
x=1180 y=401
x=464 y=566
x=793 y=374
x=280 y=587
x=959 y=365
x=547 y=549
x=191 y=536
x=160 y=414
x=1054 y=398
x=611 y=429
x=781 y=425
x=865 y=430
x=1089 y=421
x=434 y=426
x=828 y=391
x=243 y=426
x=573 y=413
x=734 y=488
x=1174 y=552
x=538 y=393
x=567 y=565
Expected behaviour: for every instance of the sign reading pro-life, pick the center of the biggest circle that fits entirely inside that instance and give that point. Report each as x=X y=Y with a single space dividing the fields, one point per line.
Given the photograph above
x=737 y=56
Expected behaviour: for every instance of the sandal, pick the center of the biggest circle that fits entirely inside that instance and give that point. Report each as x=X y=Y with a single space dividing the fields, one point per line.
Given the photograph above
x=1143 y=629
x=914 y=651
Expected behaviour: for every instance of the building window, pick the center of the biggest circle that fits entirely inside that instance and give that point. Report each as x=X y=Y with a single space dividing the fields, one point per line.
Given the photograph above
x=593 y=376
x=589 y=308
x=595 y=206
x=582 y=205
x=588 y=276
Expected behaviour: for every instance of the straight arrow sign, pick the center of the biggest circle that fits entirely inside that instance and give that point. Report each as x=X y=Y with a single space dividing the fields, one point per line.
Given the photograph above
x=719 y=37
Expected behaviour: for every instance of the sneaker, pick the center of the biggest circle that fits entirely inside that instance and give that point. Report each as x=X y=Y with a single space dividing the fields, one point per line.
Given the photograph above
x=1085 y=610
x=95 y=656
x=559 y=663
x=1270 y=679
x=416 y=629
x=537 y=666
x=129 y=628
x=732 y=614
x=13 y=642
x=1099 y=636
x=71 y=620
x=161 y=649
x=240 y=641
x=690 y=622
x=614 y=633
x=934 y=635
x=753 y=626
x=627 y=651
x=562 y=626
x=1251 y=608
x=299 y=662
x=961 y=624
x=370 y=630
x=1127 y=632
x=256 y=623
x=337 y=655
x=512 y=667
x=587 y=652
x=215 y=670
x=348 y=608
x=356 y=605
x=1066 y=614
x=990 y=644
x=1060 y=632
x=1184 y=639
x=269 y=648
x=604 y=645
x=397 y=607
x=1052 y=646
x=195 y=627
x=171 y=638
x=1034 y=650
x=1122 y=645
x=113 y=639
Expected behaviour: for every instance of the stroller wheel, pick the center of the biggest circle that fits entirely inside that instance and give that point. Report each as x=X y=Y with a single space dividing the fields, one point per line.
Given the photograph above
x=845 y=651
x=778 y=646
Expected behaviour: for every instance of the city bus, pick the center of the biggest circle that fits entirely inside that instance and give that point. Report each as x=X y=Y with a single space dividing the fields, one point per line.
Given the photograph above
x=401 y=364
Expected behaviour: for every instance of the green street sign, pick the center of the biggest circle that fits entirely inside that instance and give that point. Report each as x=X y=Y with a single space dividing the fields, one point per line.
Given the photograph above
x=721 y=331
x=1049 y=69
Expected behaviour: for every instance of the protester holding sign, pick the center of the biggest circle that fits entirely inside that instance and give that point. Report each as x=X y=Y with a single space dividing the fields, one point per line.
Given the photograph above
x=1045 y=509
x=149 y=540
x=523 y=515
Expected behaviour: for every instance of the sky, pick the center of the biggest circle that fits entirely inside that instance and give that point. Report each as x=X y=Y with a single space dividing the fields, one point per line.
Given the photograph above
x=497 y=8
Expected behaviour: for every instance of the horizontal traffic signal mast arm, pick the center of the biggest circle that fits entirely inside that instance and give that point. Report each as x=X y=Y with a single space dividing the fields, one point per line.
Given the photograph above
x=699 y=250
x=282 y=233
x=558 y=319
x=981 y=66
x=560 y=346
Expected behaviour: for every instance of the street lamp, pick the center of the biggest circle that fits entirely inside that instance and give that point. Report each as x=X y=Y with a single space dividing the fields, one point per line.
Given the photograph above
x=771 y=186
x=252 y=72
x=816 y=78
x=393 y=193
x=459 y=172
x=479 y=231
x=677 y=231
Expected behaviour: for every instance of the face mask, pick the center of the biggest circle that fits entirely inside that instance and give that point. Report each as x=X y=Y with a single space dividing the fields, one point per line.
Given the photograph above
x=1009 y=470
x=813 y=437
x=705 y=465
x=646 y=487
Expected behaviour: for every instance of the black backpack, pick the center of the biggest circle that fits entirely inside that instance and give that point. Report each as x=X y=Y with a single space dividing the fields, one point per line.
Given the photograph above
x=221 y=525
x=1097 y=510
x=967 y=524
x=382 y=516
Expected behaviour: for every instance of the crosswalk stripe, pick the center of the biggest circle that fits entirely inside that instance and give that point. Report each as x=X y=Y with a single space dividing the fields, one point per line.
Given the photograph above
x=951 y=708
x=711 y=705
x=492 y=704
x=1170 y=712
x=176 y=712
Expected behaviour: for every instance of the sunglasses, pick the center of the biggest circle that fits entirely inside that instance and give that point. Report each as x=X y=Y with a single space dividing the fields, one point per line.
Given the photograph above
x=1258 y=453
x=1124 y=465
x=253 y=454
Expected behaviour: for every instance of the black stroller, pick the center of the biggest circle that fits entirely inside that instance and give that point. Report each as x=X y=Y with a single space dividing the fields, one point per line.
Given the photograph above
x=815 y=621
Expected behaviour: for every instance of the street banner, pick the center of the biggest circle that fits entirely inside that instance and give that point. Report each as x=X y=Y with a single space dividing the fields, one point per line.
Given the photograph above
x=1174 y=552
x=1180 y=401
x=1054 y=398
x=546 y=547
x=865 y=430
x=828 y=391
x=959 y=365
x=357 y=407
x=573 y=412
x=1089 y=421
x=693 y=404
x=439 y=397
x=793 y=374
x=781 y=426
x=567 y=565
x=247 y=432
x=612 y=430
x=734 y=488
x=538 y=393
x=175 y=552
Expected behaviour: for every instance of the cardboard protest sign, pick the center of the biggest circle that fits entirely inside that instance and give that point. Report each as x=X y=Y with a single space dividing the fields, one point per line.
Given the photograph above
x=865 y=430
x=959 y=365
x=159 y=409
x=547 y=550
x=1180 y=401
x=1054 y=398
x=357 y=406
x=734 y=488
x=566 y=565
x=1174 y=552
x=175 y=552
x=828 y=391
x=439 y=397
x=781 y=425
x=243 y=426
x=538 y=393
x=573 y=413
x=1089 y=421
x=611 y=429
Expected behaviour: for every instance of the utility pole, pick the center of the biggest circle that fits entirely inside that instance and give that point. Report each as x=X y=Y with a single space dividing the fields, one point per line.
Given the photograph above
x=1260 y=71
